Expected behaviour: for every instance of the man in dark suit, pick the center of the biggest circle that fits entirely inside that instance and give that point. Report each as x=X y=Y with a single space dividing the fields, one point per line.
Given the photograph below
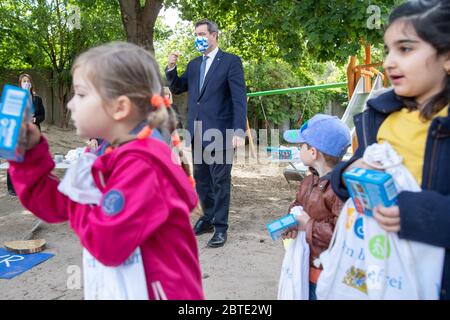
x=217 y=110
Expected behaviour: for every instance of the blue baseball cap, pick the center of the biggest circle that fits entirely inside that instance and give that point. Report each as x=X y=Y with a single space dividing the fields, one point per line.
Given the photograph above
x=326 y=133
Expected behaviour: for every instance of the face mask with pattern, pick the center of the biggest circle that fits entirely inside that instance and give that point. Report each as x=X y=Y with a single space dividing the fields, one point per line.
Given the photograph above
x=201 y=44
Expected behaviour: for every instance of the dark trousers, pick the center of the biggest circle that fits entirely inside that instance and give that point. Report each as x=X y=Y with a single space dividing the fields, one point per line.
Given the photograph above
x=213 y=183
x=9 y=183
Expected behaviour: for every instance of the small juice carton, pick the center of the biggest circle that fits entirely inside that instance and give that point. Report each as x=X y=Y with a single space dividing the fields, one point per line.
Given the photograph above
x=15 y=113
x=279 y=226
x=284 y=154
x=369 y=188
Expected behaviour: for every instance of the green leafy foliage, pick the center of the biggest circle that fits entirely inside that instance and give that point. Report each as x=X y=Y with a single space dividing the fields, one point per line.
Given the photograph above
x=48 y=35
x=295 y=107
x=283 y=43
x=322 y=29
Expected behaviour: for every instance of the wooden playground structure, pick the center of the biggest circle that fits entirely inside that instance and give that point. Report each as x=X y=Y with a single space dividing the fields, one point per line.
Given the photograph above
x=364 y=81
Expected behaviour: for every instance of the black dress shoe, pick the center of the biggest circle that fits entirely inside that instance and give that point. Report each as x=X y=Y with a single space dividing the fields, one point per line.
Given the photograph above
x=218 y=240
x=202 y=227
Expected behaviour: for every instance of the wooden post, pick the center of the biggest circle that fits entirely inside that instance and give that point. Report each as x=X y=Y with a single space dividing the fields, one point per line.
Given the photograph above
x=367 y=61
x=250 y=138
x=250 y=141
x=385 y=79
x=351 y=81
x=354 y=142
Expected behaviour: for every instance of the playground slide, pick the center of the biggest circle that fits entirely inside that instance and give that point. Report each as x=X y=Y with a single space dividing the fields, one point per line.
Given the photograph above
x=359 y=99
x=357 y=104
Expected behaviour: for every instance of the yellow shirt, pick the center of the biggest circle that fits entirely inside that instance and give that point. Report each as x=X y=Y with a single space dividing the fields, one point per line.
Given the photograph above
x=407 y=134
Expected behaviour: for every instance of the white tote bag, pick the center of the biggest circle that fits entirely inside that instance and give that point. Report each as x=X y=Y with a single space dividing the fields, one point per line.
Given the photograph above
x=397 y=268
x=124 y=282
x=365 y=262
x=343 y=275
x=294 y=278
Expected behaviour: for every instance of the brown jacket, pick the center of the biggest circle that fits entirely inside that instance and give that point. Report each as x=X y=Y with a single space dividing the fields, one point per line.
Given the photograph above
x=323 y=206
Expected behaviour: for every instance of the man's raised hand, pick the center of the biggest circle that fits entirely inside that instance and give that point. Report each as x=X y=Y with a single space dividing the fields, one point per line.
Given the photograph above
x=173 y=57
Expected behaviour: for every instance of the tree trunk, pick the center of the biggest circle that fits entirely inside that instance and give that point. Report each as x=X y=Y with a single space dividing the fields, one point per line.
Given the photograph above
x=63 y=92
x=62 y=89
x=139 y=21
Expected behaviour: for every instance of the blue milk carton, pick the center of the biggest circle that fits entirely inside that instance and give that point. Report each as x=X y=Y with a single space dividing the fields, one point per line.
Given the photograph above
x=279 y=226
x=284 y=154
x=15 y=113
x=369 y=188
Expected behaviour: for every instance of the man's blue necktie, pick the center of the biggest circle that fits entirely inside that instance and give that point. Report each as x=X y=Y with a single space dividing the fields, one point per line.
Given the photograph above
x=202 y=72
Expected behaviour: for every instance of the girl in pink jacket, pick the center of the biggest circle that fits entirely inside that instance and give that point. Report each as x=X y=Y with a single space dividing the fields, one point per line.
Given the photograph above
x=130 y=206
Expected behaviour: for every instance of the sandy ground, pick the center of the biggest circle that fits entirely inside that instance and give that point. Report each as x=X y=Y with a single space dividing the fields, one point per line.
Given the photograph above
x=247 y=267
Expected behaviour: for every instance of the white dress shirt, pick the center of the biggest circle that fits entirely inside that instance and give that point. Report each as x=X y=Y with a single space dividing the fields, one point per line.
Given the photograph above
x=210 y=60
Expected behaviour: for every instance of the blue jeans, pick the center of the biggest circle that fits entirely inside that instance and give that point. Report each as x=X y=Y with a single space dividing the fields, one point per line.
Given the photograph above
x=312 y=291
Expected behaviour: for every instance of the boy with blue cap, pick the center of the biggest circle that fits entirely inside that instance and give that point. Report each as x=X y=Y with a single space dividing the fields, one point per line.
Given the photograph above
x=324 y=140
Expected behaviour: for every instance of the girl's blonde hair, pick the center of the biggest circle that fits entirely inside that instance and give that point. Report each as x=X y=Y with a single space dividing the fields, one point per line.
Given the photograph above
x=125 y=69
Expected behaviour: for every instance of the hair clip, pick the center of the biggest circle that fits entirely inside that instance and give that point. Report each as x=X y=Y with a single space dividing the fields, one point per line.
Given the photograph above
x=175 y=139
x=156 y=101
x=144 y=133
x=108 y=150
x=192 y=181
x=167 y=101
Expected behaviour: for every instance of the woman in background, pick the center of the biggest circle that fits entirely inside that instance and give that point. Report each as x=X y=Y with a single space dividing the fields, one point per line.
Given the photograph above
x=26 y=82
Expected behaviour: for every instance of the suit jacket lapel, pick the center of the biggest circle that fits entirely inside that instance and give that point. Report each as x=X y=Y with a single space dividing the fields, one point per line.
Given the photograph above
x=211 y=71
